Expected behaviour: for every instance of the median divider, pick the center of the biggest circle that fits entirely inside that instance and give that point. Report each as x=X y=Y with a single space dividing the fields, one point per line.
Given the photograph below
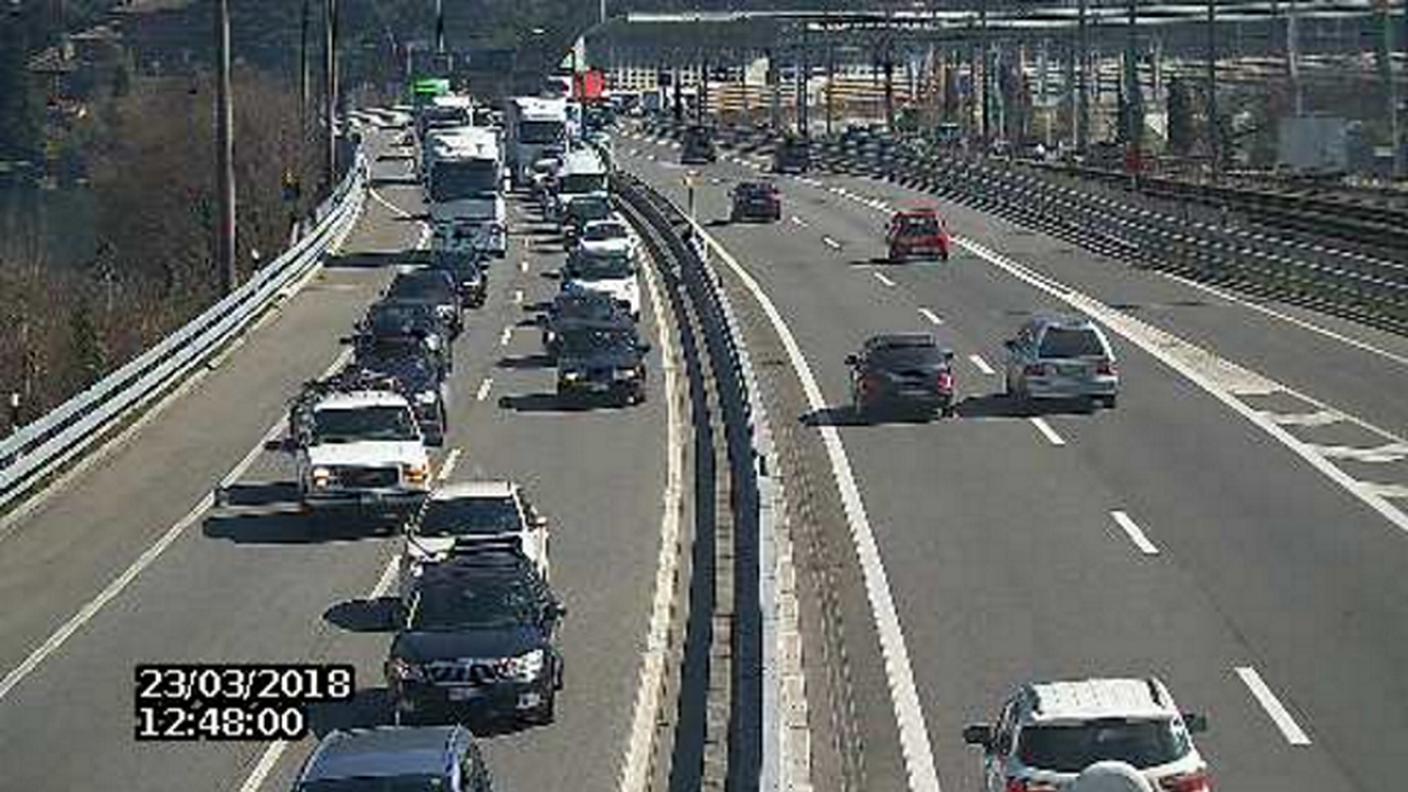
x=38 y=451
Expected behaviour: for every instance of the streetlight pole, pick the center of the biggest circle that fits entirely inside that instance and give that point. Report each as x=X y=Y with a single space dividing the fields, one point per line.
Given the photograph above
x=1214 y=129
x=224 y=152
x=330 y=90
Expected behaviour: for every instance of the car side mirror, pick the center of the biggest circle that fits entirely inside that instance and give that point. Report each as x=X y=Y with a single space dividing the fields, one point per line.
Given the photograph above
x=539 y=521
x=347 y=340
x=1195 y=722
x=1009 y=344
x=279 y=445
x=644 y=347
x=979 y=734
x=852 y=360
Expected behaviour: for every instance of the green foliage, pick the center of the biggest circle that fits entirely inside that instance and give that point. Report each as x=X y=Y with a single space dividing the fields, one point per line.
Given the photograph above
x=19 y=109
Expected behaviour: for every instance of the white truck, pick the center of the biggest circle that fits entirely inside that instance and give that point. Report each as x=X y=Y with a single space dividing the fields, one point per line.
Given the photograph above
x=532 y=126
x=464 y=188
x=583 y=172
x=357 y=450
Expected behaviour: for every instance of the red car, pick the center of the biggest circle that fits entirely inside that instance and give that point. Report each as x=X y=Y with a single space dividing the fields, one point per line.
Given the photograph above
x=918 y=232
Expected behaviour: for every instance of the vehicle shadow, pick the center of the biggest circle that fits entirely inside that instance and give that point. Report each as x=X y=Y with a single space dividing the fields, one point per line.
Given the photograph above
x=395 y=181
x=847 y=415
x=1001 y=405
x=268 y=493
x=552 y=403
x=364 y=615
x=369 y=706
x=375 y=260
x=521 y=362
x=292 y=527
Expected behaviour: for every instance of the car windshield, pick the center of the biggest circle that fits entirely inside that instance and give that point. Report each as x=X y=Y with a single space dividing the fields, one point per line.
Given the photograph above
x=421 y=286
x=540 y=131
x=590 y=306
x=576 y=183
x=462 y=264
x=469 y=516
x=589 y=342
x=919 y=226
x=908 y=357
x=401 y=319
x=456 y=180
x=602 y=231
x=1072 y=748
x=1060 y=342
x=586 y=209
x=485 y=601
x=382 y=422
x=414 y=371
x=400 y=783
x=591 y=268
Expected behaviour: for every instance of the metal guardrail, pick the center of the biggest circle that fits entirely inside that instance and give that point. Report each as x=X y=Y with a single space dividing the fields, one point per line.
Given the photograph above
x=40 y=449
x=745 y=732
x=1193 y=241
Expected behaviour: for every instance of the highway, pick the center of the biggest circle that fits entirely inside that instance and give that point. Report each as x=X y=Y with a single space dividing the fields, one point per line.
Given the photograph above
x=1234 y=527
x=130 y=561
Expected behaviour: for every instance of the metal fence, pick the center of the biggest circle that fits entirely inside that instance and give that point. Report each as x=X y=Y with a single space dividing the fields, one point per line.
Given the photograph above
x=38 y=450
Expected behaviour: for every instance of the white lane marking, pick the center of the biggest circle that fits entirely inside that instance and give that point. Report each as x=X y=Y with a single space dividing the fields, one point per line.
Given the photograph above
x=799 y=222
x=831 y=243
x=1383 y=490
x=423 y=241
x=517 y=296
x=523 y=265
x=393 y=208
x=904 y=696
x=1047 y=432
x=1388 y=452
x=635 y=766
x=1220 y=378
x=1273 y=706
x=1363 y=346
x=483 y=392
x=1134 y=532
x=506 y=335
x=883 y=278
x=1313 y=418
x=270 y=758
x=982 y=365
x=122 y=581
x=931 y=316
x=448 y=466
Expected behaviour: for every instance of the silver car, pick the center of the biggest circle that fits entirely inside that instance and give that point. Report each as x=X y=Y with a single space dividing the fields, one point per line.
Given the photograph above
x=1061 y=357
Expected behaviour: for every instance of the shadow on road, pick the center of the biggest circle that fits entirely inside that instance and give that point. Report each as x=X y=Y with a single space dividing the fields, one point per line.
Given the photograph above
x=552 y=403
x=376 y=260
x=269 y=493
x=364 y=615
x=1000 y=405
x=847 y=415
x=525 y=362
x=292 y=527
x=370 y=706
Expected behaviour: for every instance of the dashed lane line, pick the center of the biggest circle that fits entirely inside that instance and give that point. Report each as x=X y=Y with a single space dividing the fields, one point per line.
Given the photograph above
x=934 y=319
x=883 y=278
x=831 y=243
x=981 y=365
x=483 y=392
x=1046 y=431
x=506 y=335
x=1274 y=708
x=1134 y=532
x=448 y=466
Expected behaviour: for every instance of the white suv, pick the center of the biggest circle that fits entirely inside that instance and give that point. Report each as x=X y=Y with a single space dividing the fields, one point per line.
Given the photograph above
x=1048 y=732
x=462 y=514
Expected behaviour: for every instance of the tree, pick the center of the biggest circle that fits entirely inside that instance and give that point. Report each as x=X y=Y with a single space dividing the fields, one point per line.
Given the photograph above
x=19 y=112
x=1181 y=127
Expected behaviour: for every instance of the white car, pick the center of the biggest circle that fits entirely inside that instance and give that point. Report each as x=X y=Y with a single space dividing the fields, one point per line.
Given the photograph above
x=359 y=449
x=606 y=268
x=460 y=514
x=1048 y=733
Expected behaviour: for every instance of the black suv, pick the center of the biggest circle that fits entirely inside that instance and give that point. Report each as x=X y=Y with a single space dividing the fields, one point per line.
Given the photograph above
x=698 y=146
x=756 y=201
x=906 y=370
x=466 y=268
x=602 y=359
x=574 y=308
x=431 y=287
x=405 y=328
x=477 y=637
x=792 y=155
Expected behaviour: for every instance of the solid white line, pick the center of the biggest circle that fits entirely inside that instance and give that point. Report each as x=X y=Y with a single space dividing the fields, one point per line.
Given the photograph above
x=799 y=221
x=1134 y=532
x=1273 y=706
x=1218 y=377
x=883 y=278
x=393 y=208
x=931 y=316
x=448 y=466
x=1046 y=430
x=483 y=392
x=831 y=243
x=506 y=335
x=635 y=765
x=517 y=296
x=148 y=556
x=904 y=696
x=270 y=758
x=982 y=365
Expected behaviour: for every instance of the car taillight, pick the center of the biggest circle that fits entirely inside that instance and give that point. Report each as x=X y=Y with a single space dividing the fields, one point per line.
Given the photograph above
x=1034 y=369
x=1197 y=781
x=946 y=382
x=1024 y=785
x=1105 y=368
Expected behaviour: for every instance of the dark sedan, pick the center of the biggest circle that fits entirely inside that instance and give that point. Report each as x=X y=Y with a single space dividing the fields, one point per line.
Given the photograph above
x=602 y=359
x=431 y=287
x=908 y=372
x=756 y=201
x=467 y=270
x=409 y=328
x=572 y=309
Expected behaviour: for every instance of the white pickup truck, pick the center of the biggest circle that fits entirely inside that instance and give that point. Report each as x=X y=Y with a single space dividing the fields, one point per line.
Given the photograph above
x=358 y=450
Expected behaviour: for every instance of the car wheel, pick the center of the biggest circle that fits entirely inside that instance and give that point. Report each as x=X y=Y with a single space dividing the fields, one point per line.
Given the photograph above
x=1110 y=402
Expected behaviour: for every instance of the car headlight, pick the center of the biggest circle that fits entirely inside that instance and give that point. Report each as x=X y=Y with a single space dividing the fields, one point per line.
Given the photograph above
x=626 y=374
x=416 y=474
x=403 y=670
x=320 y=476
x=524 y=668
x=427 y=397
x=571 y=375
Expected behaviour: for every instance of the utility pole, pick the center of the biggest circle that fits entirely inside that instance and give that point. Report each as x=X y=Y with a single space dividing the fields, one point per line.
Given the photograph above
x=830 y=78
x=1293 y=57
x=1214 y=128
x=1390 y=87
x=224 y=152
x=1082 y=91
x=987 y=69
x=803 y=78
x=330 y=90
x=439 y=27
x=303 y=81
